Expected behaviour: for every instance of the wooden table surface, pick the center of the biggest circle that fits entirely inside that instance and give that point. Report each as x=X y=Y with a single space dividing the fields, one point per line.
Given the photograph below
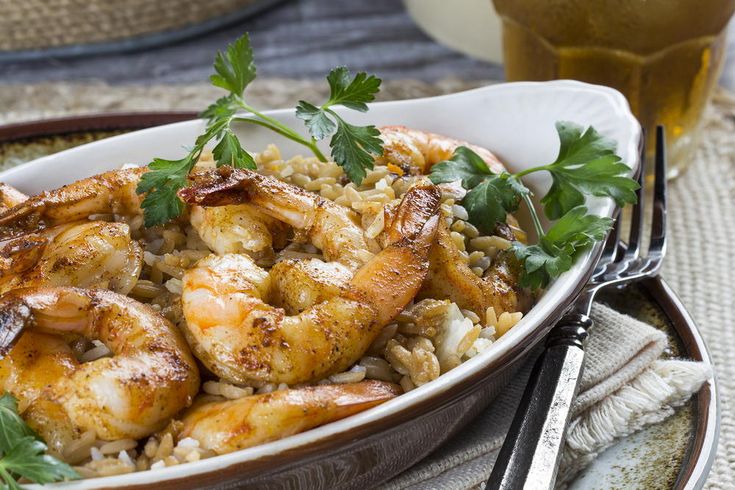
x=296 y=39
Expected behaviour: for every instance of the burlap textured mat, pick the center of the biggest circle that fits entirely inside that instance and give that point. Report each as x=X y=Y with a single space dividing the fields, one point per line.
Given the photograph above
x=42 y=24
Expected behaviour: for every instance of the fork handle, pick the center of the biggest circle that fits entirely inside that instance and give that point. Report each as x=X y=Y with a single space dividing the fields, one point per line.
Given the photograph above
x=529 y=458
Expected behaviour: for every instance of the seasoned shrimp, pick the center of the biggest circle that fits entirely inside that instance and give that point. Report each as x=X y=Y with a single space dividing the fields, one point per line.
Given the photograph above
x=330 y=227
x=36 y=362
x=238 y=228
x=451 y=278
x=150 y=377
x=110 y=192
x=420 y=150
x=20 y=254
x=242 y=338
x=10 y=197
x=94 y=254
x=227 y=426
x=299 y=284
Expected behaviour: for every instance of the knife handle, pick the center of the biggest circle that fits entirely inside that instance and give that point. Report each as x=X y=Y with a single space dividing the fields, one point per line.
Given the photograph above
x=529 y=458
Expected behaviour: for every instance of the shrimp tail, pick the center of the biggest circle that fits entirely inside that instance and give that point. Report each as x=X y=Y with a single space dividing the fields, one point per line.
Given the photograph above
x=21 y=253
x=10 y=197
x=16 y=220
x=417 y=215
x=15 y=314
x=220 y=187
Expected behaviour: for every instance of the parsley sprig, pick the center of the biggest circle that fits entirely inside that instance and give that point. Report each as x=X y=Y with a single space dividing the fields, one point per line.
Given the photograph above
x=23 y=453
x=586 y=166
x=352 y=146
x=557 y=248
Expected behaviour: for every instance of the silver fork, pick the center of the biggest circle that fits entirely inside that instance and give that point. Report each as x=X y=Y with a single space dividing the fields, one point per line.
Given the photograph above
x=529 y=458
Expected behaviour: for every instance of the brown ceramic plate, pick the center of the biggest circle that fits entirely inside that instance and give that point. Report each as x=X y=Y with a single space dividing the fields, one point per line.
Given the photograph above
x=678 y=452
x=366 y=454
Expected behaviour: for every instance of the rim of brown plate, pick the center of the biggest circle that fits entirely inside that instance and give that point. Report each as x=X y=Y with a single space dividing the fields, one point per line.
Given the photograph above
x=91 y=122
x=691 y=475
x=696 y=468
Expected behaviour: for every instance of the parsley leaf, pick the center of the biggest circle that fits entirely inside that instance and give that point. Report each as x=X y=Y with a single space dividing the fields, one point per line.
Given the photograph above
x=229 y=152
x=160 y=185
x=23 y=454
x=27 y=459
x=489 y=203
x=490 y=196
x=354 y=93
x=221 y=109
x=540 y=266
x=465 y=165
x=12 y=427
x=586 y=166
x=234 y=68
x=559 y=246
x=316 y=119
x=577 y=230
x=352 y=146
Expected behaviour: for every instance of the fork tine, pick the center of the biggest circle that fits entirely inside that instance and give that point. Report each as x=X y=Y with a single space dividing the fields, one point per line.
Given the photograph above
x=610 y=250
x=615 y=233
x=657 y=248
x=636 y=221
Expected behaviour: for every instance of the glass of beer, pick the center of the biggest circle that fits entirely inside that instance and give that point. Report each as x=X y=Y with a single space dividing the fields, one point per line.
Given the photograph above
x=665 y=56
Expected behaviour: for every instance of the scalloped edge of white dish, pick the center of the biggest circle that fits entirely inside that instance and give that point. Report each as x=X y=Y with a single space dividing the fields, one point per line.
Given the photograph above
x=514 y=120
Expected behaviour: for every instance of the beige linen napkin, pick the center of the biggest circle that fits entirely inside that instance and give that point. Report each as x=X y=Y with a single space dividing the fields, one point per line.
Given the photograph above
x=624 y=387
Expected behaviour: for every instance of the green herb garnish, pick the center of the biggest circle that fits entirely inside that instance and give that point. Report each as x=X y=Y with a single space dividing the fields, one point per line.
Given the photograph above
x=557 y=248
x=490 y=196
x=23 y=453
x=352 y=146
x=586 y=166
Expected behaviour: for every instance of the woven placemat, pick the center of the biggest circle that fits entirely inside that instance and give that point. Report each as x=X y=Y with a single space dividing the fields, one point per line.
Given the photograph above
x=33 y=28
x=24 y=102
x=701 y=213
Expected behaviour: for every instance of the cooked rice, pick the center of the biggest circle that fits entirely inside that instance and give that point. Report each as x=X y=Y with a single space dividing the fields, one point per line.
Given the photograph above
x=227 y=390
x=427 y=339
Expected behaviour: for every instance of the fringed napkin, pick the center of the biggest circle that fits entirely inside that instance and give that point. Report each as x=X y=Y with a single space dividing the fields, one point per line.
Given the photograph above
x=625 y=387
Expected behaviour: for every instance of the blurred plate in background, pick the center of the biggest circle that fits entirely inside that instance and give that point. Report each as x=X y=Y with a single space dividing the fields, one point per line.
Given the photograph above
x=41 y=29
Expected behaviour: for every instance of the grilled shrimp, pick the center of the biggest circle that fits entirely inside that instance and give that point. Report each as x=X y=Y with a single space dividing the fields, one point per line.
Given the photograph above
x=150 y=377
x=451 y=278
x=299 y=284
x=420 y=150
x=94 y=254
x=242 y=338
x=109 y=192
x=20 y=254
x=37 y=362
x=238 y=228
x=227 y=426
x=10 y=197
x=330 y=227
